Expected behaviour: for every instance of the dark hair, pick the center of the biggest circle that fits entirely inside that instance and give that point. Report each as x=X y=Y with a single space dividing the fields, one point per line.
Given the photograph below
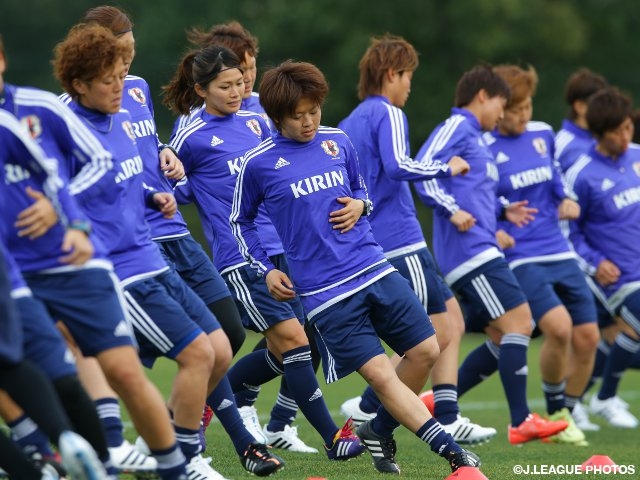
x=231 y=35
x=283 y=87
x=88 y=51
x=607 y=109
x=386 y=52
x=113 y=18
x=522 y=82
x=480 y=77
x=580 y=85
x=197 y=67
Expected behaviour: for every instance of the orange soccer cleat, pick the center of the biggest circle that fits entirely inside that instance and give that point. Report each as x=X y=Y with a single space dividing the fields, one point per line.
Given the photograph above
x=533 y=428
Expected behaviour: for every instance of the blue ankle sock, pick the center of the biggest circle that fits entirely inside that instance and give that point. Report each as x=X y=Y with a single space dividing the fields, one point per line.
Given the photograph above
x=284 y=411
x=446 y=408
x=109 y=413
x=622 y=351
x=554 y=395
x=171 y=463
x=189 y=441
x=29 y=437
x=513 y=369
x=369 y=402
x=440 y=441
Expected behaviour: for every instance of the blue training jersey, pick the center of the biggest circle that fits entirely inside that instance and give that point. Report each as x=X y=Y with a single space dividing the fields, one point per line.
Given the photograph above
x=82 y=161
x=379 y=133
x=528 y=172
x=118 y=216
x=608 y=191
x=571 y=141
x=211 y=149
x=459 y=253
x=298 y=183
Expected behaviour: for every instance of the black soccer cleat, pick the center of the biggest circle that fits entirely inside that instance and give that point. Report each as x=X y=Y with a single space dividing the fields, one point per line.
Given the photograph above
x=258 y=460
x=465 y=458
x=382 y=450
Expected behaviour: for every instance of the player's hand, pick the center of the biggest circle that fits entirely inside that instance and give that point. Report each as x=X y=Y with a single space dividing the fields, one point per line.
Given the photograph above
x=345 y=218
x=279 y=285
x=171 y=165
x=463 y=220
x=607 y=273
x=568 y=209
x=166 y=203
x=458 y=166
x=519 y=214
x=36 y=220
x=78 y=246
x=505 y=240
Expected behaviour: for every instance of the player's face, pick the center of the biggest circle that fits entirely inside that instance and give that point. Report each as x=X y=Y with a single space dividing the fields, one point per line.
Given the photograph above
x=615 y=142
x=128 y=40
x=401 y=88
x=492 y=112
x=302 y=126
x=103 y=93
x=250 y=68
x=514 y=121
x=223 y=95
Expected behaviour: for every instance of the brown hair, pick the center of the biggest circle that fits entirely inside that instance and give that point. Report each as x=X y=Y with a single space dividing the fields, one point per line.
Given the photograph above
x=580 y=85
x=521 y=82
x=113 y=18
x=231 y=35
x=384 y=53
x=283 y=87
x=196 y=67
x=607 y=109
x=88 y=51
x=480 y=77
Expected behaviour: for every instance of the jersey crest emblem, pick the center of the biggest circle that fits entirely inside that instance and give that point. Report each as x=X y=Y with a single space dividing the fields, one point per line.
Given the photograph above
x=32 y=125
x=254 y=126
x=636 y=168
x=330 y=147
x=128 y=129
x=540 y=145
x=138 y=95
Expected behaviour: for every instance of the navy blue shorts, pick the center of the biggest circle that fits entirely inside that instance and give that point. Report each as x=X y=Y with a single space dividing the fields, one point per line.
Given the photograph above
x=606 y=315
x=89 y=303
x=550 y=284
x=629 y=311
x=258 y=309
x=348 y=333
x=420 y=269
x=44 y=345
x=488 y=292
x=11 y=336
x=166 y=316
x=189 y=259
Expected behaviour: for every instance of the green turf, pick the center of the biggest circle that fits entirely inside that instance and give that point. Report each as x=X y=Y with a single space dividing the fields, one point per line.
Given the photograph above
x=484 y=405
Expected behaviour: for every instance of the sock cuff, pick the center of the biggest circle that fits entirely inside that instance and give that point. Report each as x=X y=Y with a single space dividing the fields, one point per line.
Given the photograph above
x=297 y=355
x=515 y=339
x=274 y=363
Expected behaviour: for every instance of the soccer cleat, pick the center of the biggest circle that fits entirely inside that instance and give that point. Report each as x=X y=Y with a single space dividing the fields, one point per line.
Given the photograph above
x=49 y=473
x=351 y=409
x=287 y=439
x=141 y=446
x=533 y=428
x=581 y=417
x=614 y=410
x=466 y=433
x=258 y=460
x=382 y=450
x=464 y=458
x=571 y=435
x=345 y=444
x=52 y=461
x=428 y=400
x=199 y=469
x=127 y=459
x=79 y=459
x=249 y=416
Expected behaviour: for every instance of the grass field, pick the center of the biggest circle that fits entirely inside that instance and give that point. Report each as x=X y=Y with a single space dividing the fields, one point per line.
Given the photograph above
x=485 y=405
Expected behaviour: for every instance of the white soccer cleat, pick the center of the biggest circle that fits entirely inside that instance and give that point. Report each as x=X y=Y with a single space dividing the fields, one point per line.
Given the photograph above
x=466 y=432
x=48 y=473
x=581 y=419
x=287 y=439
x=79 y=459
x=199 y=469
x=141 y=446
x=351 y=409
x=128 y=459
x=614 y=410
x=251 y=422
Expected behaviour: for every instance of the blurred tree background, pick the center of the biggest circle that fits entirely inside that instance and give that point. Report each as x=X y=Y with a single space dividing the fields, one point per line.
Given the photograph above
x=555 y=36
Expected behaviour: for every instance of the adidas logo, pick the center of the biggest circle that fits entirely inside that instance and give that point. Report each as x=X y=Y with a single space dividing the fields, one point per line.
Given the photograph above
x=502 y=157
x=122 y=330
x=606 y=185
x=281 y=163
x=225 y=404
x=215 y=141
x=316 y=395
